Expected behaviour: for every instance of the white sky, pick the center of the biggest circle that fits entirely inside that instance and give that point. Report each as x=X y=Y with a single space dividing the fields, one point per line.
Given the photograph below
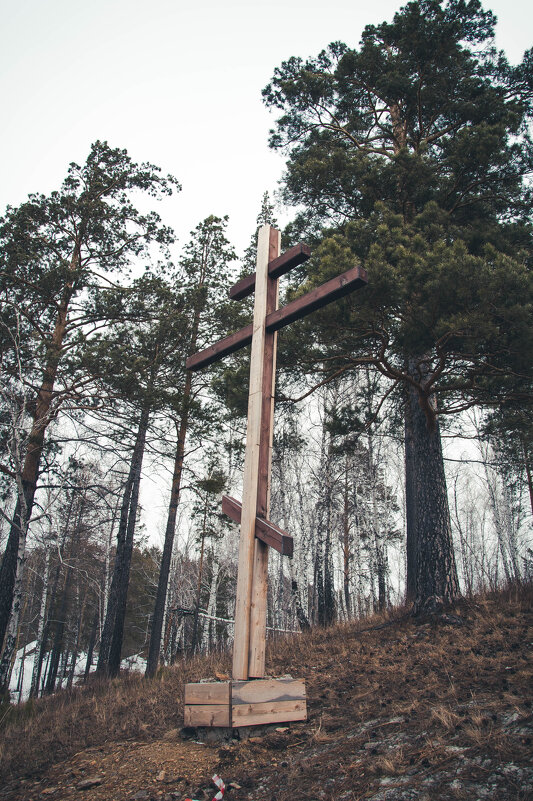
x=175 y=84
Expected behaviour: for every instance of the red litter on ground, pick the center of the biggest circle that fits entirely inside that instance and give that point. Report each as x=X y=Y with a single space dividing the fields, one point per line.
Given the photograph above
x=221 y=786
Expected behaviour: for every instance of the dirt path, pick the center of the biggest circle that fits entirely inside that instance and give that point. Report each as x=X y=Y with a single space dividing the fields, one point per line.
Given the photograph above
x=164 y=769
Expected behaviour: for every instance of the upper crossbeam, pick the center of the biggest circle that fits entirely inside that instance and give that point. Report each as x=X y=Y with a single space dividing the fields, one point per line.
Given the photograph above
x=277 y=267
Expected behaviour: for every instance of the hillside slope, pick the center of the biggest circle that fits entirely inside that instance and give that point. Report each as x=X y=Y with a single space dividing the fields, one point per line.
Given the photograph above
x=399 y=710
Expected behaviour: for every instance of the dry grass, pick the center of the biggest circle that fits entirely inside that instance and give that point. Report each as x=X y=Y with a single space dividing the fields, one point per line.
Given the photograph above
x=37 y=733
x=391 y=700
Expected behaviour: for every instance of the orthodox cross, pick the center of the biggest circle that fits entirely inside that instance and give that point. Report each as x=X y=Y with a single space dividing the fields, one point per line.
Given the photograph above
x=257 y=533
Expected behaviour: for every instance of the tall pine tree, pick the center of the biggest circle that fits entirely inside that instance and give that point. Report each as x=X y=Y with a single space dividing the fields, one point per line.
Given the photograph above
x=55 y=251
x=413 y=150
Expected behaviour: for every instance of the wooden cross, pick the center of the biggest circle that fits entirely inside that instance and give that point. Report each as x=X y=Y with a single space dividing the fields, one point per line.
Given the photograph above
x=257 y=532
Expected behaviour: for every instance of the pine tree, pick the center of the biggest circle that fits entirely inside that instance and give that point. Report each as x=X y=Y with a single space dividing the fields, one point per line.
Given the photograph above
x=55 y=251
x=414 y=150
x=136 y=364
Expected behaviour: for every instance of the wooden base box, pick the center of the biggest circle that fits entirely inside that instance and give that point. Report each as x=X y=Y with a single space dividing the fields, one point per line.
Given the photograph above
x=233 y=704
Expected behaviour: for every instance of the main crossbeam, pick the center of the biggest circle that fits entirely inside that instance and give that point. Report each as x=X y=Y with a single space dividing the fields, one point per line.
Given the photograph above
x=332 y=290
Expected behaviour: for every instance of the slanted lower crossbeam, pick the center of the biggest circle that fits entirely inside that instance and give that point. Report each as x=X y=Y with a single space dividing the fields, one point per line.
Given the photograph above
x=266 y=531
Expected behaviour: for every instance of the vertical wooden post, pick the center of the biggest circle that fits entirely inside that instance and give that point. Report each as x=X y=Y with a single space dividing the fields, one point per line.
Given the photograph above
x=252 y=460
x=258 y=612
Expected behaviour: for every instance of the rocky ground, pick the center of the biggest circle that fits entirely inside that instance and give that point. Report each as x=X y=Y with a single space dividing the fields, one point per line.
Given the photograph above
x=402 y=710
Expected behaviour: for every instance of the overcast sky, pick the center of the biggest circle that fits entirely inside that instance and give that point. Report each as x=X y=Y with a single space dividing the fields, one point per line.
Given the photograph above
x=174 y=83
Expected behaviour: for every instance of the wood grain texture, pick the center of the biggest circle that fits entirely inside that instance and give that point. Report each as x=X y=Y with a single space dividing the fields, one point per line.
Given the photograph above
x=332 y=290
x=244 y=703
x=258 y=612
x=218 y=692
x=220 y=349
x=281 y=264
x=269 y=712
x=247 y=540
x=207 y=715
x=264 y=690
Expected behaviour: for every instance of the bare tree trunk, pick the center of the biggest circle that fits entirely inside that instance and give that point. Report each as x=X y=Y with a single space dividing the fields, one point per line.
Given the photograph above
x=107 y=563
x=38 y=656
x=410 y=504
x=211 y=606
x=300 y=614
x=527 y=465
x=114 y=619
x=11 y=635
x=346 y=543
x=466 y=550
x=20 y=677
x=436 y=572
x=46 y=631
x=77 y=642
x=61 y=616
x=90 y=649
x=30 y=472
x=330 y=609
x=57 y=646
x=199 y=587
x=162 y=584
x=118 y=630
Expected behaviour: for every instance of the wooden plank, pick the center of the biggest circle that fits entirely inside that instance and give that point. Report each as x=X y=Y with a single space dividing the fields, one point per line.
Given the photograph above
x=277 y=266
x=265 y=690
x=266 y=531
x=288 y=260
x=332 y=290
x=241 y=642
x=220 y=349
x=258 y=612
x=208 y=693
x=271 y=535
x=269 y=712
x=243 y=288
x=207 y=715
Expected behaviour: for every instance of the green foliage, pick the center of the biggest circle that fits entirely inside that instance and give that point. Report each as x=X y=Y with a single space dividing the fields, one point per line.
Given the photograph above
x=139 y=359
x=59 y=254
x=424 y=110
x=206 y=514
x=266 y=216
x=204 y=271
x=469 y=314
x=415 y=150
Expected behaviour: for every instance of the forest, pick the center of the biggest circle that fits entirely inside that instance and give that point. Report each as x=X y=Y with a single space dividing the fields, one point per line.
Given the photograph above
x=403 y=447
